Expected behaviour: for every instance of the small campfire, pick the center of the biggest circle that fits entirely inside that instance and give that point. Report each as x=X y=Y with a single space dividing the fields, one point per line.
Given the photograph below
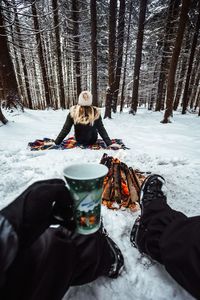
x=122 y=184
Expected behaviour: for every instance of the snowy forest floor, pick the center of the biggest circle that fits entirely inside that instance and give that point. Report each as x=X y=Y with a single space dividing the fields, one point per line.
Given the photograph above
x=172 y=150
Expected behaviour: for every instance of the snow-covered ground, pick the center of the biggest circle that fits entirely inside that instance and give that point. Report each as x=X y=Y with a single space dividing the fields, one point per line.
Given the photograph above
x=172 y=150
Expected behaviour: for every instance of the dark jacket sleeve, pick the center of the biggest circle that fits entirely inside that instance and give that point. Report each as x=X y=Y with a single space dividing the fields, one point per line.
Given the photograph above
x=8 y=246
x=65 y=130
x=102 y=131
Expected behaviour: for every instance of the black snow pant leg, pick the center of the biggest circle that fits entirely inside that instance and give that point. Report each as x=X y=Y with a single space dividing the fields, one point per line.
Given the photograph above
x=180 y=251
x=94 y=257
x=53 y=263
x=173 y=239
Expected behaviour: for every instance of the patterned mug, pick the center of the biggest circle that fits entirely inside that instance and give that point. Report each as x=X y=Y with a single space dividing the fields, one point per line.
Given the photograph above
x=85 y=182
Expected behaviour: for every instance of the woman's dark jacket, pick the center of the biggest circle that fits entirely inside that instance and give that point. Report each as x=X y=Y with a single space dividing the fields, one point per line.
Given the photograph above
x=85 y=134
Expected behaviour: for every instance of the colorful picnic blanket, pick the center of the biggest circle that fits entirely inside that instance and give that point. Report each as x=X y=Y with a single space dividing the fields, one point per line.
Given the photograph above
x=69 y=144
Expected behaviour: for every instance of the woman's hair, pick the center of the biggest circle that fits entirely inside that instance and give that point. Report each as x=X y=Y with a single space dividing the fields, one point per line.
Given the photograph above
x=84 y=114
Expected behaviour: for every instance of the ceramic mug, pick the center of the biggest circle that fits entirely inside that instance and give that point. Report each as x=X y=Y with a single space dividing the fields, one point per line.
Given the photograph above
x=85 y=183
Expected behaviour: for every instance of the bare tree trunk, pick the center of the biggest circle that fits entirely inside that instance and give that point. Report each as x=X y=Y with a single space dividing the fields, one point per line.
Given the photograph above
x=75 y=17
x=120 y=40
x=26 y=79
x=174 y=60
x=170 y=23
x=126 y=56
x=36 y=81
x=7 y=73
x=111 y=57
x=197 y=104
x=151 y=102
x=193 y=48
x=93 y=12
x=50 y=52
x=194 y=90
x=58 y=53
x=2 y=117
x=108 y=104
x=16 y=63
x=195 y=71
x=138 y=56
x=40 y=53
x=182 y=73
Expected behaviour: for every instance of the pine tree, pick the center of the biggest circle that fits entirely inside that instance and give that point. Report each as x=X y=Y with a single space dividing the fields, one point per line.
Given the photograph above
x=138 y=56
x=93 y=12
x=185 y=99
x=111 y=57
x=7 y=73
x=174 y=60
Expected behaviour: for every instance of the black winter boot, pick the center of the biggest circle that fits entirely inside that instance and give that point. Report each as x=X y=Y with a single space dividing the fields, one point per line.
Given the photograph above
x=118 y=259
x=151 y=190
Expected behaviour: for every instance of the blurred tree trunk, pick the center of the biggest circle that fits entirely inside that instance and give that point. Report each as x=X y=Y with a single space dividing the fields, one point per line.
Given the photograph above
x=194 y=87
x=193 y=80
x=93 y=12
x=173 y=11
x=120 y=40
x=7 y=73
x=2 y=117
x=23 y=61
x=41 y=54
x=126 y=56
x=174 y=60
x=138 y=56
x=152 y=99
x=77 y=62
x=111 y=57
x=191 y=59
x=58 y=53
x=197 y=103
x=108 y=104
x=182 y=71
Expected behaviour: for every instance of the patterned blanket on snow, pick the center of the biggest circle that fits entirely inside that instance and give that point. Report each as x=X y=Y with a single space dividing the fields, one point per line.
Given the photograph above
x=69 y=144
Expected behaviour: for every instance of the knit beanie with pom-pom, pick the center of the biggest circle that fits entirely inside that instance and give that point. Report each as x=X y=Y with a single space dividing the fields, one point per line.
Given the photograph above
x=85 y=98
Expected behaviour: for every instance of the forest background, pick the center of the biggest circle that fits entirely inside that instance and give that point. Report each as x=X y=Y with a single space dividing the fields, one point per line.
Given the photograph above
x=129 y=53
x=141 y=61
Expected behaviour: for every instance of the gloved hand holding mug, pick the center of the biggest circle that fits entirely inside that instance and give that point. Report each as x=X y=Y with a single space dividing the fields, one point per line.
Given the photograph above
x=35 y=209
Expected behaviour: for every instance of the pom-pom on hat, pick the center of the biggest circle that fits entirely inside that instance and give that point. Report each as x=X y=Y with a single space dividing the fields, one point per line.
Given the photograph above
x=85 y=98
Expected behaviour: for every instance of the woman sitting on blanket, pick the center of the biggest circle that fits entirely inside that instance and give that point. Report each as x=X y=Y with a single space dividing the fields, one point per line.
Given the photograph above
x=87 y=122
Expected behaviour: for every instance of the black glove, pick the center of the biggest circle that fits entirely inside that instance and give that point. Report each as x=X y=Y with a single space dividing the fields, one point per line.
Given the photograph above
x=40 y=205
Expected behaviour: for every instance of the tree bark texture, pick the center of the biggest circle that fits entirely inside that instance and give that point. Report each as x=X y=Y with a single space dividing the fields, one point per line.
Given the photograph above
x=194 y=90
x=182 y=71
x=126 y=56
x=23 y=61
x=58 y=53
x=2 y=117
x=8 y=77
x=174 y=60
x=138 y=56
x=77 y=62
x=168 y=42
x=41 y=54
x=120 y=41
x=185 y=99
x=111 y=56
x=93 y=12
